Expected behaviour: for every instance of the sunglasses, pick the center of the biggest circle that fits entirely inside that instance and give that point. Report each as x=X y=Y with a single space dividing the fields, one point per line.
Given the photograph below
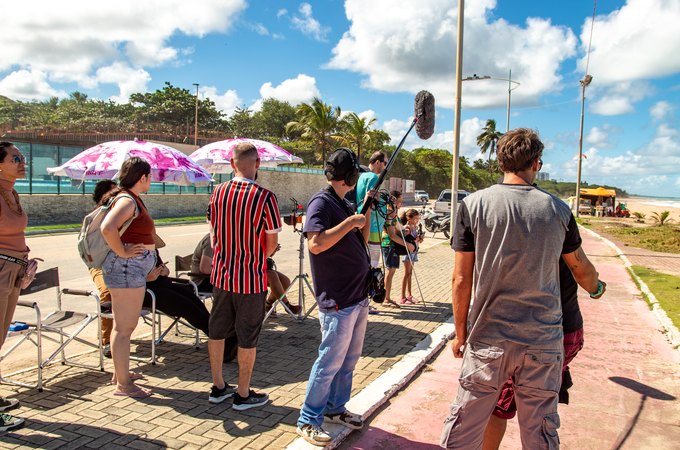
x=540 y=164
x=18 y=159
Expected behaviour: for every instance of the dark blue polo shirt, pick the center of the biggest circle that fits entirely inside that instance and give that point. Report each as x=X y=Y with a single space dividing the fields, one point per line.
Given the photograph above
x=340 y=273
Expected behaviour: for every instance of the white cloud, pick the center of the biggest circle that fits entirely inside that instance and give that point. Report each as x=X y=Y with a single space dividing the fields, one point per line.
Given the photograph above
x=598 y=137
x=619 y=98
x=638 y=41
x=409 y=48
x=308 y=25
x=296 y=90
x=226 y=102
x=28 y=85
x=660 y=110
x=70 y=44
x=259 y=29
x=281 y=12
x=128 y=79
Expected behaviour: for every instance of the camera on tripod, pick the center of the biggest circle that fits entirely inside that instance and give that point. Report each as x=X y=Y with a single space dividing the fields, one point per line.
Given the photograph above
x=295 y=217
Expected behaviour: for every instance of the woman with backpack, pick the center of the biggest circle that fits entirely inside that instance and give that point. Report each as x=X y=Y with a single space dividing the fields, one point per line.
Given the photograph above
x=127 y=265
x=13 y=256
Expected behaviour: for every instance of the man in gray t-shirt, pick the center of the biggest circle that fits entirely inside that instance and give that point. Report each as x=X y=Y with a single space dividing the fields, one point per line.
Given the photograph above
x=508 y=239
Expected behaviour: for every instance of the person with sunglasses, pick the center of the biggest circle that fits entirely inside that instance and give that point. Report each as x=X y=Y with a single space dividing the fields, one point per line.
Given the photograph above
x=13 y=256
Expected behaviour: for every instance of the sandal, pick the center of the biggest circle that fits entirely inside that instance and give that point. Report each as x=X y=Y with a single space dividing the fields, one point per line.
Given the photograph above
x=409 y=299
x=137 y=393
x=134 y=376
x=391 y=304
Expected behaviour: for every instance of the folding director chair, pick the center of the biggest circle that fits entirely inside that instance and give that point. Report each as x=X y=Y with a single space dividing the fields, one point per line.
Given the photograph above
x=56 y=326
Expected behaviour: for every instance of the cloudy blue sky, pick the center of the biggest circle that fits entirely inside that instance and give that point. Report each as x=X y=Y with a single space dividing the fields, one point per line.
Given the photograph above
x=371 y=57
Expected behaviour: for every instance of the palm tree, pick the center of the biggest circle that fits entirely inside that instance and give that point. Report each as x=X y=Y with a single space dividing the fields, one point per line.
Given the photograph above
x=355 y=132
x=317 y=122
x=661 y=218
x=488 y=138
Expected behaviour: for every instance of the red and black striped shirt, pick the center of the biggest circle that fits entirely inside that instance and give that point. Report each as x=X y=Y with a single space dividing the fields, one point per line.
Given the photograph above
x=241 y=213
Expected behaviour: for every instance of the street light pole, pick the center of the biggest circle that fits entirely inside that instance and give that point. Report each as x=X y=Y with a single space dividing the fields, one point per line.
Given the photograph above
x=456 y=121
x=584 y=83
x=196 y=119
x=512 y=85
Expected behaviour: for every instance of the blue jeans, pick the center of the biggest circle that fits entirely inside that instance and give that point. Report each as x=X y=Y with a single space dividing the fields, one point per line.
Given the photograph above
x=330 y=382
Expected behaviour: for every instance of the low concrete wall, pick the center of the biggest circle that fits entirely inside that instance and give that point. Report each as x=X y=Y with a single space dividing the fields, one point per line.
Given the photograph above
x=52 y=209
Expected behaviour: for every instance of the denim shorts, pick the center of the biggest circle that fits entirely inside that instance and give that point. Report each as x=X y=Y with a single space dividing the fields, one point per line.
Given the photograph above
x=413 y=258
x=120 y=273
x=390 y=257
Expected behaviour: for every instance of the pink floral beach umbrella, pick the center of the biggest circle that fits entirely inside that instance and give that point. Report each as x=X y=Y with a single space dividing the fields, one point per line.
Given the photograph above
x=215 y=157
x=104 y=161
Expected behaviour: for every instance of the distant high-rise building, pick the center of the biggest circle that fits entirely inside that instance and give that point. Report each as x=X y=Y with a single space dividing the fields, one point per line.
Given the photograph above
x=543 y=176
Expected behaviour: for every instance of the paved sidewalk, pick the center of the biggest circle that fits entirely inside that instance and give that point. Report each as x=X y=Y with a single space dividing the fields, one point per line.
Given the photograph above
x=626 y=390
x=78 y=410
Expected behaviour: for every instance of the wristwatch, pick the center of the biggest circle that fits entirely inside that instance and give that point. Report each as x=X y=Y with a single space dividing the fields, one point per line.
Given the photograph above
x=600 y=290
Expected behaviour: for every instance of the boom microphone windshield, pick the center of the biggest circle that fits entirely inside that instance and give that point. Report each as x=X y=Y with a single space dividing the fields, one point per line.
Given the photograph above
x=424 y=124
x=423 y=112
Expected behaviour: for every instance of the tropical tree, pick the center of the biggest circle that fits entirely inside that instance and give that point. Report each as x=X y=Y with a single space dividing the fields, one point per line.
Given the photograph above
x=487 y=140
x=317 y=123
x=271 y=119
x=355 y=132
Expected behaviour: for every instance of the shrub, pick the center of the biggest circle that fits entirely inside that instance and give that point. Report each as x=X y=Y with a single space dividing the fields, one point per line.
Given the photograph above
x=639 y=217
x=662 y=219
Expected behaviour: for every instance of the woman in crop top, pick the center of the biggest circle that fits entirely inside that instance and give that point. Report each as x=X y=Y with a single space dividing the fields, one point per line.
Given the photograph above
x=13 y=255
x=127 y=265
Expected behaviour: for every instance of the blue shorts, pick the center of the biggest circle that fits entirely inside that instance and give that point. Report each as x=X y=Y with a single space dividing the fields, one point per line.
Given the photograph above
x=414 y=257
x=122 y=273
x=390 y=257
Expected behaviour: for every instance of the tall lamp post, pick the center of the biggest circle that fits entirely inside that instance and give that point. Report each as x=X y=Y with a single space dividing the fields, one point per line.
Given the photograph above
x=456 y=120
x=584 y=83
x=196 y=119
x=512 y=85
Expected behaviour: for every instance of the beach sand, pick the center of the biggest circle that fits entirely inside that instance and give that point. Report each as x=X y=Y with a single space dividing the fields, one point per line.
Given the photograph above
x=647 y=206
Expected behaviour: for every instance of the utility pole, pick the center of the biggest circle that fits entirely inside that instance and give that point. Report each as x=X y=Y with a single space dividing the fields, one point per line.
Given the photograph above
x=584 y=83
x=456 y=122
x=196 y=119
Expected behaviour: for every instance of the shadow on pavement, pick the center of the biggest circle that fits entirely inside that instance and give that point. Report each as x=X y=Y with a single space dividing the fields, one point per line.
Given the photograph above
x=378 y=439
x=645 y=392
x=62 y=433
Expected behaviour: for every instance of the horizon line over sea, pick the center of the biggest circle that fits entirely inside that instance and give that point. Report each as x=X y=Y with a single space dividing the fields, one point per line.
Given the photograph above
x=670 y=202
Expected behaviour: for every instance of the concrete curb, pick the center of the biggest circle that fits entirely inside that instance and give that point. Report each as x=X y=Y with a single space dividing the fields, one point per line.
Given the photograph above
x=376 y=394
x=667 y=327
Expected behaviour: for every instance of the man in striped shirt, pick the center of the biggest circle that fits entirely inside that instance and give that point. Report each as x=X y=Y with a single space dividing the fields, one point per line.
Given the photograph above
x=245 y=221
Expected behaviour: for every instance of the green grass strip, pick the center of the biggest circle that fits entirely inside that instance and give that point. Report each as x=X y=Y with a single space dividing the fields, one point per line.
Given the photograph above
x=666 y=289
x=76 y=226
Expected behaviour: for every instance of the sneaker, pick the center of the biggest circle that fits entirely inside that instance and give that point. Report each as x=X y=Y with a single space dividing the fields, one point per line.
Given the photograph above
x=347 y=419
x=218 y=395
x=253 y=400
x=107 y=351
x=313 y=434
x=9 y=423
x=8 y=404
x=373 y=310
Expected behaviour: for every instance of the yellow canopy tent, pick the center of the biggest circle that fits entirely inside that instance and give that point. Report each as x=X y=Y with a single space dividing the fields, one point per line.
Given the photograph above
x=599 y=199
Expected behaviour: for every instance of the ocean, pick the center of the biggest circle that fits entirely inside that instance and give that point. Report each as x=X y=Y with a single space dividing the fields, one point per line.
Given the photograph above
x=667 y=202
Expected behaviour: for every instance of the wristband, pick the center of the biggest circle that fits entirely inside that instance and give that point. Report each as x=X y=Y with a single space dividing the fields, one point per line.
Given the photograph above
x=600 y=290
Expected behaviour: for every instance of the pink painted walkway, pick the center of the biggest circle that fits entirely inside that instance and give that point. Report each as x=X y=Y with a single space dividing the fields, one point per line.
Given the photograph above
x=626 y=382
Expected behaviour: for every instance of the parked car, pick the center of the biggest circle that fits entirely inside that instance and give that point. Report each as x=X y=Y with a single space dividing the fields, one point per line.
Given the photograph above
x=421 y=196
x=443 y=203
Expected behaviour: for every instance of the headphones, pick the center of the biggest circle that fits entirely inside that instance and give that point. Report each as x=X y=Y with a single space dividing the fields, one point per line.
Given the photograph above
x=349 y=176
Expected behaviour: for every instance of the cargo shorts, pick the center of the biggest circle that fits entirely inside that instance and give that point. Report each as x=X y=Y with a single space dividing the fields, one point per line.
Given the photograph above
x=536 y=372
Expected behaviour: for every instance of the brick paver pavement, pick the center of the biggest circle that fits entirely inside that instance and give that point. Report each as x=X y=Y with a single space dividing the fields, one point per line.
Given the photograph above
x=77 y=407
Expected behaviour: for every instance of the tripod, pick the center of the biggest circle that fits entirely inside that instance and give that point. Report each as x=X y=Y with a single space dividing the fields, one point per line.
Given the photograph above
x=302 y=279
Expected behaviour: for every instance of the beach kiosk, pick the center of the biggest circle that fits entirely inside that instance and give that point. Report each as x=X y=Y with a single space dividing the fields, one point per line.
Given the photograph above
x=600 y=201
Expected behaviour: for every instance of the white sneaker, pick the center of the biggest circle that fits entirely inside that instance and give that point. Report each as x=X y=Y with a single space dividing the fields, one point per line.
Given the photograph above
x=314 y=434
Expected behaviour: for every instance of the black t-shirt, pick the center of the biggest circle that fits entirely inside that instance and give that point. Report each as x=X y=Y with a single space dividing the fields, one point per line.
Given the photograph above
x=571 y=313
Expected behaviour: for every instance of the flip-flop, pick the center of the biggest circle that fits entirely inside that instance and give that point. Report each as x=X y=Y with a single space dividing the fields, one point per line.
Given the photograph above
x=393 y=304
x=134 y=376
x=138 y=393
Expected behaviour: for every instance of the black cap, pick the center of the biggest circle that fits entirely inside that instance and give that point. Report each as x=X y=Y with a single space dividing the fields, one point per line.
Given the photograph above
x=340 y=163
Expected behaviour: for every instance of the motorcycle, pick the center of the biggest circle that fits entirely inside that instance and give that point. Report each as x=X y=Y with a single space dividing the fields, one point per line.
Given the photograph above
x=435 y=223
